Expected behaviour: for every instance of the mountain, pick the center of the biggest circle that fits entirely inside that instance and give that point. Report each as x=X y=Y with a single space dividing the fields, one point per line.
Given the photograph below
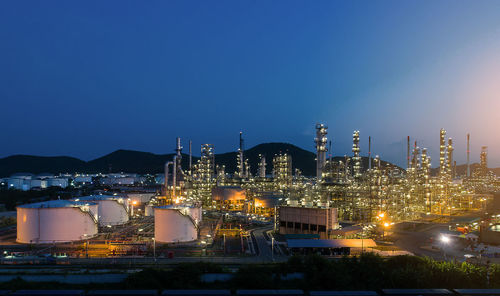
x=129 y=161
x=40 y=164
x=461 y=169
x=134 y=162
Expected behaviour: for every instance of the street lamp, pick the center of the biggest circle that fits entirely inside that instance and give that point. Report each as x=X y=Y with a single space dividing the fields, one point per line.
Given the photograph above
x=444 y=240
x=224 y=244
x=154 y=249
x=272 y=248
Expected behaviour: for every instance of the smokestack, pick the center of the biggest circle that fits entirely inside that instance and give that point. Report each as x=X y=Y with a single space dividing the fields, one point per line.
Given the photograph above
x=408 y=153
x=330 y=149
x=190 y=155
x=178 y=149
x=468 y=152
x=241 y=141
x=241 y=170
x=369 y=152
x=167 y=164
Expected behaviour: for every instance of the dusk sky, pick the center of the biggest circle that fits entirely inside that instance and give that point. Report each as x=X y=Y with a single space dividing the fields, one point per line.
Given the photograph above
x=85 y=78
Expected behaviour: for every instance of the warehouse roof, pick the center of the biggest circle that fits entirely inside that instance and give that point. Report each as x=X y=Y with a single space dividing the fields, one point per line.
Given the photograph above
x=331 y=243
x=56 y=204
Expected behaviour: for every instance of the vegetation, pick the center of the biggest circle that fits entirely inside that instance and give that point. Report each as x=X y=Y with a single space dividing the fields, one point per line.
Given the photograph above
x=368 y=272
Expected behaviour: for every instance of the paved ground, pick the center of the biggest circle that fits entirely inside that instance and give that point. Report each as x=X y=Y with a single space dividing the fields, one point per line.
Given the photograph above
x=425 y=241
x=264 y=246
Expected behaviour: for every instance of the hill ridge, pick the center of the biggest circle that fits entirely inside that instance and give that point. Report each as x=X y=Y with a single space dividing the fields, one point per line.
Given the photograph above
x=135 y=161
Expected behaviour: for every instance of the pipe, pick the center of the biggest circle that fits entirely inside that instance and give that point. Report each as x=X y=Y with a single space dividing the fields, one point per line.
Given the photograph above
x=190 y=155
x=167 y=164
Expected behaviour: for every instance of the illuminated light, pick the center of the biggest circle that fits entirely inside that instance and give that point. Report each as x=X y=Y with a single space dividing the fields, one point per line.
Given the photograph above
x=445 y=239
x=386 y=224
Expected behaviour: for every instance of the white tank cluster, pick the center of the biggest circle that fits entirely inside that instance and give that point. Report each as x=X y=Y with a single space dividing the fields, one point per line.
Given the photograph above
x=56 y=221
x=177 y=223
x=112 y=209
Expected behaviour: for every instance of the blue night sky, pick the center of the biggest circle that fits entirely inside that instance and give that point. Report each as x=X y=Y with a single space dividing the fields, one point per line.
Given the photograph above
x=84 y=78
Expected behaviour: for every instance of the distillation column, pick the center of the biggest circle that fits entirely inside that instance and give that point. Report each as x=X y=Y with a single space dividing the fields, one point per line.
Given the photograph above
x=321 y=141
x=356 y=157
x=262 y=166
x=442 y=152
x=450 y=158
x=241 y=160
x=483 y=157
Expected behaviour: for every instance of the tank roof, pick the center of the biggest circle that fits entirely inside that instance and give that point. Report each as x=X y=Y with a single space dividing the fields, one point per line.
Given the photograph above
x=98 y=197
x=56 y=204
x=176 y=207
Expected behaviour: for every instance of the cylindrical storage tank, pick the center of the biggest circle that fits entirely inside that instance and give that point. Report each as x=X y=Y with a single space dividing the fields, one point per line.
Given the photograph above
x=112 y=210
x=171 y=225
x=56 y=221
x=149 y=211
x=140 y=198
x=195 y=213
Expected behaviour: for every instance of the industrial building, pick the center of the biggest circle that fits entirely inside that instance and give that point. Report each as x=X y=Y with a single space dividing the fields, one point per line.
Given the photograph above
x=56 y=221
x=231 y=198
x=26 y=181
x=112 y=210
x=305 y=220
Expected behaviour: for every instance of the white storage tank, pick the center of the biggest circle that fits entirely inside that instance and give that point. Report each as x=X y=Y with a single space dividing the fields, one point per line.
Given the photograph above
x=56 y=221
x=174 y=224
x=149 y=211
x=195 y=212
x=112 y=209
x=140 y=198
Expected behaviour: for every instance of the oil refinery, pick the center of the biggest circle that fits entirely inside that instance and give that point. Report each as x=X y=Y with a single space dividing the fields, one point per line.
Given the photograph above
x=201 y=208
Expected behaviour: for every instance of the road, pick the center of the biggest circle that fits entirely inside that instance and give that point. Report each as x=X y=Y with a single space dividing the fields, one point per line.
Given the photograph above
x=265 y=253
x=413 y=241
